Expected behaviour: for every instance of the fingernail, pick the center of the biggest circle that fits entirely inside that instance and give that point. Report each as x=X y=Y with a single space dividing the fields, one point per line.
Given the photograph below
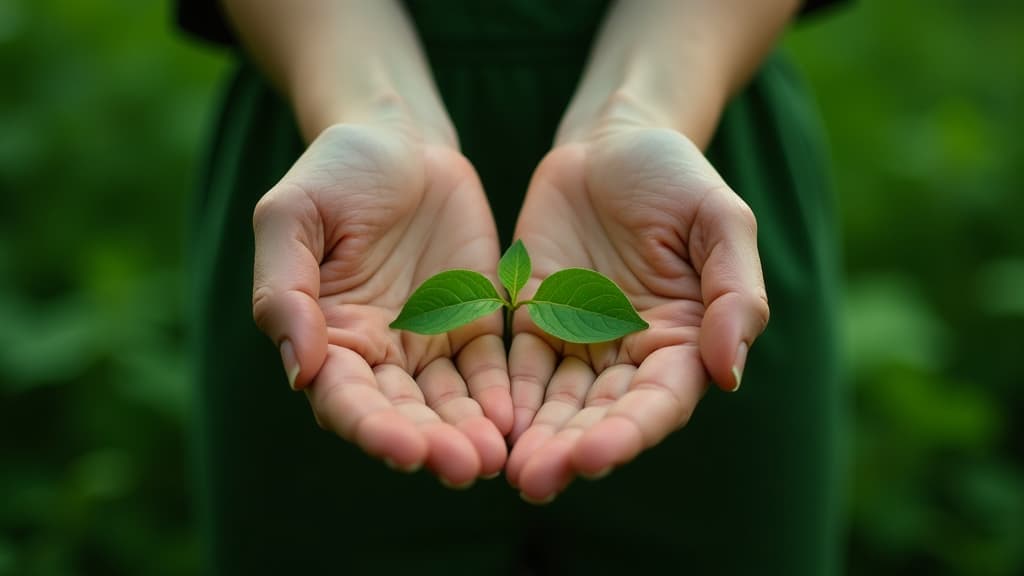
x=464 y=486
x=291 y=364
x=492 y=476
x=604 y=472
x=541 y=502
x=414 y=467
x=737 y=367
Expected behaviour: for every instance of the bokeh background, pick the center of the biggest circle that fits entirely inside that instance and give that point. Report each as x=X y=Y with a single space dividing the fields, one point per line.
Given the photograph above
x=104 y=109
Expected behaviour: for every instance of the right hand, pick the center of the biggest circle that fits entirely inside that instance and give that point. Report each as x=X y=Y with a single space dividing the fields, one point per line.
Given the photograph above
x=362 y=218
x=644 y=207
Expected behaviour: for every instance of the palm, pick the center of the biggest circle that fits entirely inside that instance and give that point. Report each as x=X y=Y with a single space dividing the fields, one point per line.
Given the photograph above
x=630 y=207
x=387 y=215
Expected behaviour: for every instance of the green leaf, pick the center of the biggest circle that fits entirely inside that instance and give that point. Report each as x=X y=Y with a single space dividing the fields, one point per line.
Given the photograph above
x=582 y=306
x=446 y=301
x=514 y=269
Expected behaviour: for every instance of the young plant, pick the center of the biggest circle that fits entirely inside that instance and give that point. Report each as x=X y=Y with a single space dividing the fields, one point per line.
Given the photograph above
x=575 y=304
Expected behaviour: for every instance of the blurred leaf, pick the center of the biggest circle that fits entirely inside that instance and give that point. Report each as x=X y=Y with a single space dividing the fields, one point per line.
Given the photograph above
x=888 y=321
x=1000 y=289
x=8 y=558
x=931 y=411
x=43 y=346
x=102 y=475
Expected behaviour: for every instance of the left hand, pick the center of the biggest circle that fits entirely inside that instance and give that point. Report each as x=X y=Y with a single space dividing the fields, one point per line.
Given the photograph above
x=363 y=217
x=645 y=208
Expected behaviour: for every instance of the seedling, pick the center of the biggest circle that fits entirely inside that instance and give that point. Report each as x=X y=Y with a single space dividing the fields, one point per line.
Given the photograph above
x=575 y=304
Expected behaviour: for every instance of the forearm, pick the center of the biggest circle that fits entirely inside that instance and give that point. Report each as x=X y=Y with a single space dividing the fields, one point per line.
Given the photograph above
x=672 y=63
x=343 y=61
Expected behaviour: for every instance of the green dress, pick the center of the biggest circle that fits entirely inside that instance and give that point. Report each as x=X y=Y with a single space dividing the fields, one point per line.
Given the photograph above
x=749 y=486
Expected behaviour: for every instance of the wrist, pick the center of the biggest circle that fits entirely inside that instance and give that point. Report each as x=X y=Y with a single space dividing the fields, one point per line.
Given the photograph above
x=633 y=105
x=385 y=109
x=367 y=96
x=646 y=84
x=318 y=106
x=670 y=64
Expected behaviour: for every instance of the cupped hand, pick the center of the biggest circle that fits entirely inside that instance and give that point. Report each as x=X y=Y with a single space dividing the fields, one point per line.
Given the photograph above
x=645 y=208
x=362 y=218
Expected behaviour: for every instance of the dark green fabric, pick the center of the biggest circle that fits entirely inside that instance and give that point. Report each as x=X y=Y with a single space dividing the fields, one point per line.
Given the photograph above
x=750 y=486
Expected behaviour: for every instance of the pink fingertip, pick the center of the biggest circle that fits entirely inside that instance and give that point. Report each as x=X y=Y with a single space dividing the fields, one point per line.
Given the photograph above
x=388 y=436
x=497 y=406
x=488 y=442
x=611 y=442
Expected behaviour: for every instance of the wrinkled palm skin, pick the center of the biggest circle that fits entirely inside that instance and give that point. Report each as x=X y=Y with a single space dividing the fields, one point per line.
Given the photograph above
x=364 y=217
x=645 y=208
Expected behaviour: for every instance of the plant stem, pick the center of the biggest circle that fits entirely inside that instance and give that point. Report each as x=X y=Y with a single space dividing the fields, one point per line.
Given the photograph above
x=509 y=310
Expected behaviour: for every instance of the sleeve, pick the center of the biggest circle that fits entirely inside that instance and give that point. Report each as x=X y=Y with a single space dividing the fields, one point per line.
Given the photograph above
x=205 y=20
x=813 y=6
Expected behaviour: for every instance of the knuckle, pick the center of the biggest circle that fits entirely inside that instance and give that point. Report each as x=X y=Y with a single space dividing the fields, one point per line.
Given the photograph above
x=288 y=199
x=479 y=373
x=564 y=397
x=321 y=401
x=683 y=419
x=262 y=302
x=265 y=208
x=319 y=421
x=746 y=215
x=526 y=380
x=447 y=396
x=758 y=305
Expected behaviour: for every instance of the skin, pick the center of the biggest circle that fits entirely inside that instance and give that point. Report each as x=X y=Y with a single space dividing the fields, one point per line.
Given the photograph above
x=627 y=191
x=643 y=207
x=364 y=217
x=382 y=199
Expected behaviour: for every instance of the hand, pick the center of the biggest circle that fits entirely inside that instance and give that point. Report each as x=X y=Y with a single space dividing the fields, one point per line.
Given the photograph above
x=362 y=218
x=644 y=207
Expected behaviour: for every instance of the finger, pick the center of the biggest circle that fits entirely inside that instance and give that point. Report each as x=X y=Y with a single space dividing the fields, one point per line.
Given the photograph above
x=563 y=399
x=446 y=393
x=529 y=441
x=531 y=362
x=345 y=399
x=286 y=282
x=549 y=470
x=662 y=395
x=483 y=365
x=450 y=455
x=610 y=385
x=724 y=247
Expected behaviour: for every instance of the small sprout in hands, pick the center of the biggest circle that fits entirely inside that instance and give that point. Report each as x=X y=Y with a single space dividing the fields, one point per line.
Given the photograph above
x=448 y=300
x=575 y=304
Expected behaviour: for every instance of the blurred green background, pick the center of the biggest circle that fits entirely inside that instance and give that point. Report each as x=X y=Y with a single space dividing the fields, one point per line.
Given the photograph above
x=103 y=114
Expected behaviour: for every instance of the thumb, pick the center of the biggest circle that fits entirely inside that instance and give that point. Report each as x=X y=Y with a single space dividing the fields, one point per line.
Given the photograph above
x=724 y=248
x=286 y=282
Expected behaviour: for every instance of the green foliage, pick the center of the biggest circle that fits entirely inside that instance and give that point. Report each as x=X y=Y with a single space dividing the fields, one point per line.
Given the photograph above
x=576 y=305
x=448 y=300
x=582 y=306
x=103 y=111
x=922 y=104
x=514 y=268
